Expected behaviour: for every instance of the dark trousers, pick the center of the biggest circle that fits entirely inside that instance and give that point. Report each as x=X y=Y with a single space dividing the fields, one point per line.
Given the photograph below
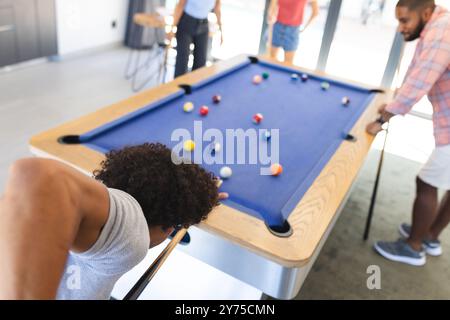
x=191 y=30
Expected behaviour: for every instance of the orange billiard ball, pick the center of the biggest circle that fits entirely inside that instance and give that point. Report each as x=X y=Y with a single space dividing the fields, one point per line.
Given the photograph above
x=276 y=169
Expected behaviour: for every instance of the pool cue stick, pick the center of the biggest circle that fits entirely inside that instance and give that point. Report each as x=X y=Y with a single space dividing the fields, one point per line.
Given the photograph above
x=375 y=188
x=145 y=279
x=163 y=67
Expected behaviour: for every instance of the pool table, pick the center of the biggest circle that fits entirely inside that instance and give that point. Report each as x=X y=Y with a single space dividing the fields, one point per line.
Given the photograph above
x=271 y=229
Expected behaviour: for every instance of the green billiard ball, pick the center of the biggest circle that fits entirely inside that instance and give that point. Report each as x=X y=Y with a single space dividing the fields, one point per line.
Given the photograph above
x=325 y=86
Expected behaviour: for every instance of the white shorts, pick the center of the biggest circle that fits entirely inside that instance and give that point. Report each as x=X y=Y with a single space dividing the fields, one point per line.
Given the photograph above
x=436 y=172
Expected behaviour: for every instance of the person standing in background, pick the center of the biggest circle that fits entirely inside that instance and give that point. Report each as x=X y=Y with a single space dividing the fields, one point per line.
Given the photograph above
x=286 y=17
x=190 y=25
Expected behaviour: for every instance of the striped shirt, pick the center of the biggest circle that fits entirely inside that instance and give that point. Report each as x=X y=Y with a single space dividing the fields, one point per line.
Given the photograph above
x=429 y=74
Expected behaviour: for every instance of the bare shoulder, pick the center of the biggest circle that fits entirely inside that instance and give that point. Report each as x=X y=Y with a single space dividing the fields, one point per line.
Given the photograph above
x=54 y=181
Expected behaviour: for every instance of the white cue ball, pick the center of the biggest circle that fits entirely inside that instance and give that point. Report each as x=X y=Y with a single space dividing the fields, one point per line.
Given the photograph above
x=216 y=147
x=225 y=172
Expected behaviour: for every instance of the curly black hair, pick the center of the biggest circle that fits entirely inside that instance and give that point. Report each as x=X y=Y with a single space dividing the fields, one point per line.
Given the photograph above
x=170 y=194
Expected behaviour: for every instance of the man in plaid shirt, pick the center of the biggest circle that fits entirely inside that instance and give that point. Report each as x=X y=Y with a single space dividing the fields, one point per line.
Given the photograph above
x=428 y=74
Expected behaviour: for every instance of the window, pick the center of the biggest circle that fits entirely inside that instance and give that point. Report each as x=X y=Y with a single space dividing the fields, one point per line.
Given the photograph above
x=311 y=39
x=242 y=25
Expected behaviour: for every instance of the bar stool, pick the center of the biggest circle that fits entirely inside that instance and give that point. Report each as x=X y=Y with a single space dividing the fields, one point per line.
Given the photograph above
x=157 y=52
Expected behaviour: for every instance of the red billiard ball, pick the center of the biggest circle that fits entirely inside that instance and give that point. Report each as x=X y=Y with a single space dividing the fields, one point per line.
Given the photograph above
x=257 y=118
x=204 y=110
x=216 y=99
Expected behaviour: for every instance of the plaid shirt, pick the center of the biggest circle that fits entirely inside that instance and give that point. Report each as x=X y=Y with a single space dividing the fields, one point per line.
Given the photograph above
x=429 y=73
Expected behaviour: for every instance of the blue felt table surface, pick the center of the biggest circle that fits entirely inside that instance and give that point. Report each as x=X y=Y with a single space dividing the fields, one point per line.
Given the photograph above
x=311 y=122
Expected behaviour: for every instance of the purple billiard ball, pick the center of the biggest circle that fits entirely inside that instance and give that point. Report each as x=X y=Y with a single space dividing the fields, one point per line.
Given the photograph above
x=216 y=99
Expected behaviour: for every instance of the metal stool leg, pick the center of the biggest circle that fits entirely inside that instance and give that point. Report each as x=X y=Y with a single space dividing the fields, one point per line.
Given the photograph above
x=131 y=68
x=138 y=85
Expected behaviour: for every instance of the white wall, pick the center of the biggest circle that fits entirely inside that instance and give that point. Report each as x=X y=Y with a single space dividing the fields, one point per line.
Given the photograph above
x=86 y=24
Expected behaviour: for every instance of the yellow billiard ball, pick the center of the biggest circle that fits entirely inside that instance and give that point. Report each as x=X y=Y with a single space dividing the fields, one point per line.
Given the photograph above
x=188 y=107
x=189 y=145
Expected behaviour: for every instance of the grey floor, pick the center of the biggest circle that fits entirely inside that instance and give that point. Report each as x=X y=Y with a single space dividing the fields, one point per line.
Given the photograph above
x=340 y=272
x=41 y=96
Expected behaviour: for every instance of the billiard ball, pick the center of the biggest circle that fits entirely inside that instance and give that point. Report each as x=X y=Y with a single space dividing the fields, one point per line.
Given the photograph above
x=216 y=99
x=257 y=79
x=215 y=147
x=267 y=135
x=265 y=75
x=294 y=77
x=226 y=172
x=305 y=77
x=257 y=118
x=325 y=86
x=204 y=110
x=189 y=145
x=345 y=101
x=276 y=169
x=188 y=107
x=219 y=183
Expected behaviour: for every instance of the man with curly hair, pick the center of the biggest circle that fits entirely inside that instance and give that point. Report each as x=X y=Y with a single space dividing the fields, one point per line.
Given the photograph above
x=67 y=236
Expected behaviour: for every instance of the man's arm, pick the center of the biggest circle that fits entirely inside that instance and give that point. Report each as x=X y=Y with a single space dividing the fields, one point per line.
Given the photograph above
x=272 y=12
x=422 y=75
x=218 y=13
x=179 y=9
x=314 y=13
x=48 y=209
x=429 y=66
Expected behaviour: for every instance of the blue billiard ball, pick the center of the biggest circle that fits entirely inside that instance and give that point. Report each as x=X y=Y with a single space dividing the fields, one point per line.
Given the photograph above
x=267 y=135
x=215 y=147
x=345 y=101
x=294 y=77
